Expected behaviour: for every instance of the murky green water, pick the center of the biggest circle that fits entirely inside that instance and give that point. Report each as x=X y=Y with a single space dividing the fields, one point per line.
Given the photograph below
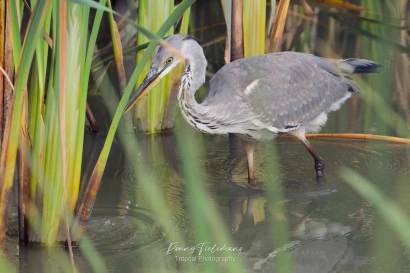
x=331 y=228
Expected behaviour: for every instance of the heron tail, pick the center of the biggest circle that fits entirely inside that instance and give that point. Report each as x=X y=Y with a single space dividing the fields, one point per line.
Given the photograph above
x=357 y=66
x=362 y=66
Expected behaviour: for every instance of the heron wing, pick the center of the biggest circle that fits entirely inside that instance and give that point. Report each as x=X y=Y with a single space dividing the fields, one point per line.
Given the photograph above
x=280 y=89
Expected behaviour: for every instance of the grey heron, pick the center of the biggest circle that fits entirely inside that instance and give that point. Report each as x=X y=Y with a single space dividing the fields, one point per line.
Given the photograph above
x=259 y=97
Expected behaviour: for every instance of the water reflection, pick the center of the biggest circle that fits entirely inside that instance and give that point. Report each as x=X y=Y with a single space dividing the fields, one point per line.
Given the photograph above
x=331 y=227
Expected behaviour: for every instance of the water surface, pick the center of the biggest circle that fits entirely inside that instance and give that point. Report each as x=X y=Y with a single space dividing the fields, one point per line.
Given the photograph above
x=331 y=228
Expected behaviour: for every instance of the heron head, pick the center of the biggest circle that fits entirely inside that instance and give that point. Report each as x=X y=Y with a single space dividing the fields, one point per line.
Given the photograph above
x=165 y=58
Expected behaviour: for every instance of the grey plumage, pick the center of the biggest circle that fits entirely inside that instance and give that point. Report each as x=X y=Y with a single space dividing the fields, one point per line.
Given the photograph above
x=292 y=88
x=259 y=97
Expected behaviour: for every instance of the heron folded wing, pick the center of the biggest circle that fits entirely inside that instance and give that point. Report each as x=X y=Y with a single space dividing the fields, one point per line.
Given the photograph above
x=297 y=90
x=279 y=89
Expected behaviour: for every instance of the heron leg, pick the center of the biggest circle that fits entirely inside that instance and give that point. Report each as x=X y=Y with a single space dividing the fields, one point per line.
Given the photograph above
x=319 y=162
x=248 y=147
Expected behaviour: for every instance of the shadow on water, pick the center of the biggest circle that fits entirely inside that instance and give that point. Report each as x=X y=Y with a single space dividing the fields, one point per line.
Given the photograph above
x=331 y=228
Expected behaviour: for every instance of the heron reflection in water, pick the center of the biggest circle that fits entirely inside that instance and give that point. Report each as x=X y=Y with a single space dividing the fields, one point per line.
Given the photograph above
x=259 y=97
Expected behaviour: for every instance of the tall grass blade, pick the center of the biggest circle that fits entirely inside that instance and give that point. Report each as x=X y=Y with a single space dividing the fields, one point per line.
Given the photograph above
x=275 y=38
x=271 y=20
x=23 y=176
x=2 y=61
x=119 y=65
x=227 y=9
x=125 y=52
x=326 y=4
x=84 y=86
x=393 y=215
x=152 y=194
x=149 y=112
x=238 y=29
x=97 y=262
x=5 y=264
x=117 y=49
x=254 y=27
x=8 y=68
x=376 y=38
x=343 y=4
x=207 y=223
x=171 y=101
x=61 y=84
x=15 y=31
x=307 y=8
x=361 y=18
x=277 y=208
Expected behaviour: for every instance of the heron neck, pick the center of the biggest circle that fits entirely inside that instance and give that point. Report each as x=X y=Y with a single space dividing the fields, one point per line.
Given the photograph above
x=192 y=78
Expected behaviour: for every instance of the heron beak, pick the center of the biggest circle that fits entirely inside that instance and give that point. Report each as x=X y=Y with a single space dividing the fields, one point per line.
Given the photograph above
x=149 y=82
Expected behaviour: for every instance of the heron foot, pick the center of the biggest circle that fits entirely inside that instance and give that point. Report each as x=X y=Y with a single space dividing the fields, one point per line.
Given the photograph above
x=255 y=186
x=319 y=166
x=251 y=180
x=320 y=181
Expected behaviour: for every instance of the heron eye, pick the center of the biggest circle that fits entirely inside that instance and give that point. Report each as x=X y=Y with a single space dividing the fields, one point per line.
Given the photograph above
x=169 y=60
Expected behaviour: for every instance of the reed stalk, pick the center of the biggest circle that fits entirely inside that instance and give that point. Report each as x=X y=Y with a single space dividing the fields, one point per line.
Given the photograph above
x=275 y=39
x=363 y=137
x=2 y=61
x=12 y=131
x=149 y=112
x=8 y=69
x=254 y=27
x=237 y=29
x=119 y=64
